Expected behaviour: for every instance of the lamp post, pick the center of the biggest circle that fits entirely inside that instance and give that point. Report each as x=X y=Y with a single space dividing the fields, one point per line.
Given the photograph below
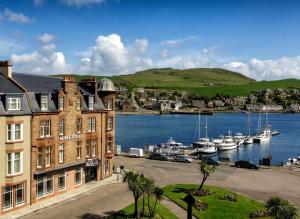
x=190 y=200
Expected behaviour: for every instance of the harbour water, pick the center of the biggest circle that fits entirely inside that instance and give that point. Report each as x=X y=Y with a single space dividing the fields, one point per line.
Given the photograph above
x=138 y=130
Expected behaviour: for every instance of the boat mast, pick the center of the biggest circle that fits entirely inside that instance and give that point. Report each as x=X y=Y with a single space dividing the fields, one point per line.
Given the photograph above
x=205 y=126
x=199 y=124
x=258 y=123
x=249 y=126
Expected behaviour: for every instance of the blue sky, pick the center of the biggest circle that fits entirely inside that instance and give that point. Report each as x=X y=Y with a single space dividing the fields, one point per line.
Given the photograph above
x=259 y=38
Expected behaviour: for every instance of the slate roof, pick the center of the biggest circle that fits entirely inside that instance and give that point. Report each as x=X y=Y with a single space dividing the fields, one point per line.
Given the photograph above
x=38 y=83
x=7 y=86
x=10 y=89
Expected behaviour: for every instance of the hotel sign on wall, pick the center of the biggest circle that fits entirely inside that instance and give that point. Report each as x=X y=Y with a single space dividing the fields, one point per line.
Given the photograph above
x=70 y=137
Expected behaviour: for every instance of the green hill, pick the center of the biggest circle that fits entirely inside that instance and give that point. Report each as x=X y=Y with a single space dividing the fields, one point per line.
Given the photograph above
x=196 y=77
x=196 y=81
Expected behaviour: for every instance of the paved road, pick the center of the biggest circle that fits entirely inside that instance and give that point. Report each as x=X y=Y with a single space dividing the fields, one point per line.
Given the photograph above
x=103 y=201
x=257 y=184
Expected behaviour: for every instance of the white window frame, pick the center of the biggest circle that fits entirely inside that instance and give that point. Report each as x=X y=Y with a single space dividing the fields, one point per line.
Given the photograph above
x=92 y=124
x=44 y=102
x=79 y=125
x=11 y=198
x=78 y=170
x=109 y=145
x=17 y=103
x=12 y=163
x=62 y=174
x=39 y=153
x=23 y=194
x=48 y=154
x=110 y=122
x=44 y=126
x=44 y=180
x=61 y=153
x=94 y=148
x=13 y=132
x=78 y=150
x=61 y=127
x=61 y=103
x=110 y=104
x=88 y=148
x=91 y=102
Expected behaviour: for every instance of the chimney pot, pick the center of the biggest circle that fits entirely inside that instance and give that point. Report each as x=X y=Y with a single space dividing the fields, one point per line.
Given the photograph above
x=6 y=68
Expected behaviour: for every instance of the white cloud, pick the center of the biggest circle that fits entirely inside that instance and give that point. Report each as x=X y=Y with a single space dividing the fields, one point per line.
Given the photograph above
x=45 y=61
x=271 y=69
x=46 y=38
x=14 y=16
x=82 y=3
x=111 y=56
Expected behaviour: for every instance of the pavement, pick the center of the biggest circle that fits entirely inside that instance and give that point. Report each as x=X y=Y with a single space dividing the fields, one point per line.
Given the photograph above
x=106 y=198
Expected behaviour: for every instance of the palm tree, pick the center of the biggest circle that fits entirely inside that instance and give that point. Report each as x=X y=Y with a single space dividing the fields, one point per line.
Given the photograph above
x=135 y=184
x=280 y=208
x=206 y=170
x=158 y=194
x=147 y=187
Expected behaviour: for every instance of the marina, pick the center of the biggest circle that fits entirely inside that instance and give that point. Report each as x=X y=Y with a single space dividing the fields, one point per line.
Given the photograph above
x=138 y=130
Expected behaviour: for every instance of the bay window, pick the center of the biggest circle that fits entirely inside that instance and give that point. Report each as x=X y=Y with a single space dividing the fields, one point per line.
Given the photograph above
x=78 y=150
x=78 y=103
x=110 y=104
x=13 y=196
x=94 y=148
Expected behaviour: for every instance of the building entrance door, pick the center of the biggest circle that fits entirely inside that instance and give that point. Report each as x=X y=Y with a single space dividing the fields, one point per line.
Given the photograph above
x=91 y=174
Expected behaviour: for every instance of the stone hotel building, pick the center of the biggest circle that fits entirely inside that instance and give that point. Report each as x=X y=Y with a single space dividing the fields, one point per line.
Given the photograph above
x=59 y=135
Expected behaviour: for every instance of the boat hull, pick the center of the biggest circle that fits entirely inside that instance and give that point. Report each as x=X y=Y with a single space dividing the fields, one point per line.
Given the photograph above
x=227 y=147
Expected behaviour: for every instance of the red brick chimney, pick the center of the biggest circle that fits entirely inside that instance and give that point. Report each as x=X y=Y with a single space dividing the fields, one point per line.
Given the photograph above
x=6 y=68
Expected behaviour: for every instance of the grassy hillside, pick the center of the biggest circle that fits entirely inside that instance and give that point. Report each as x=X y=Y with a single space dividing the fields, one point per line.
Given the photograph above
x=168 y=77
x=193 y=80
x=243 y=90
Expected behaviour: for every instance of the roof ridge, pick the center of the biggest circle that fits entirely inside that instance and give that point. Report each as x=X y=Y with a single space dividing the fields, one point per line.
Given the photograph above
x=37 y=75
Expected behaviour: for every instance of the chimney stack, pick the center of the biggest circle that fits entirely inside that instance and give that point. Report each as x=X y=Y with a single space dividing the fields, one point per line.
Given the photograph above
x=6 y=68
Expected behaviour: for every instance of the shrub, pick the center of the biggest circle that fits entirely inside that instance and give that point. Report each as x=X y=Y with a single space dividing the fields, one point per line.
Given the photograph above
x=229 y=197
x=200 y=205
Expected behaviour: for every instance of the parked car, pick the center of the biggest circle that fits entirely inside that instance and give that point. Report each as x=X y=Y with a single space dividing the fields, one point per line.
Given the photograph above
x=246 y=164
x=158 y=157
x=210 y=161
x=182 y=158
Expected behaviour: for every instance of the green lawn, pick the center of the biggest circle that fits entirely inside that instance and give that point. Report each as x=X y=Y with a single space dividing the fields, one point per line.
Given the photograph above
x=217 y=208
x=160 y=210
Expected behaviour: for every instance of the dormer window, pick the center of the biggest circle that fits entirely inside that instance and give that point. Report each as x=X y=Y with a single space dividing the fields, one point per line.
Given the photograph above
x=44 y=102
x=13 y=103
x=91 y=103
x=61 y=103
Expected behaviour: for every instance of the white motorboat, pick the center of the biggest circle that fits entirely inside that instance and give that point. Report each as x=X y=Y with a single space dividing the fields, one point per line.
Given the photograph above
x=248 y=140
x=239 y=139
x=173 y=144
x=209 y=148
x=218 y=140
x=201 y=142
x=228 y=143
x=266 y=134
